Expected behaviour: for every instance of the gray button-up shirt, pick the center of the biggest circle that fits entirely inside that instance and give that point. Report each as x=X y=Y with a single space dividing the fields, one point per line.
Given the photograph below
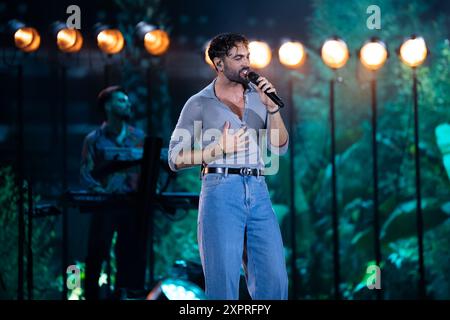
x=201 y=122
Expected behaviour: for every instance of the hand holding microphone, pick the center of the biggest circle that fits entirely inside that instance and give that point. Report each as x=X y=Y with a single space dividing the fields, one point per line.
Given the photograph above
x=270 y=99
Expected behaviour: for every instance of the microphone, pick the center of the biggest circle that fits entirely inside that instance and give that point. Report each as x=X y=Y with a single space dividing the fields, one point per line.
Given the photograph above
x=253 y=77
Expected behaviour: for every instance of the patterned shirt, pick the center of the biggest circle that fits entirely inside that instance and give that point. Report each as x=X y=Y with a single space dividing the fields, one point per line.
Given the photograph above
x=101 y=151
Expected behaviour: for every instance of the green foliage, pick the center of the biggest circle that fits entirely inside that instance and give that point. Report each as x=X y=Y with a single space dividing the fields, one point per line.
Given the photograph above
x=354 y=155
x=177 y=241
x=176 y=235
x=45 y=276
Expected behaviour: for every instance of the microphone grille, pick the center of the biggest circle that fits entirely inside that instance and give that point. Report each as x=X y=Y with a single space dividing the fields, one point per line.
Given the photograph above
x=253 y=76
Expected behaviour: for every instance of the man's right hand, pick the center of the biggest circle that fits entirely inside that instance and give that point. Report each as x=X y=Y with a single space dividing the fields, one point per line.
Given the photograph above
x=236 y=142
x=227 y=143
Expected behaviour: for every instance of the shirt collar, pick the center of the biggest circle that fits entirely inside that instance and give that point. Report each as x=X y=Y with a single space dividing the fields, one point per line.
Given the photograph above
x=208 y=91
x=106 y=132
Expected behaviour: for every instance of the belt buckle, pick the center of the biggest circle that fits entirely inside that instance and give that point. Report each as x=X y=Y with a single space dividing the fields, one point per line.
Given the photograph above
x=245 y=171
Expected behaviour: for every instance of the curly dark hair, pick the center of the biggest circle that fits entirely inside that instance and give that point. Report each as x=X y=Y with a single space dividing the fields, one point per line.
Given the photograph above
x=221 y=44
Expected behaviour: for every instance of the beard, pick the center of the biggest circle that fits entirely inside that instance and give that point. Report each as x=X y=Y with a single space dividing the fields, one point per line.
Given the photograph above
x=235 y=76
x=122 y=114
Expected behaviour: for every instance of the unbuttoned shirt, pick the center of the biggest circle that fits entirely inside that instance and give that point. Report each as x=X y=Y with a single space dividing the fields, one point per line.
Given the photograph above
x=201 y=122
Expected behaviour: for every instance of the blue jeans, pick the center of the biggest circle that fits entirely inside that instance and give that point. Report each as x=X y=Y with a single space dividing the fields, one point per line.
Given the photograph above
x=237 y=225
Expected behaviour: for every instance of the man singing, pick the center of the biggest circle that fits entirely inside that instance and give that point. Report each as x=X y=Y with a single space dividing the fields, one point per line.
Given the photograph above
x=236 y=222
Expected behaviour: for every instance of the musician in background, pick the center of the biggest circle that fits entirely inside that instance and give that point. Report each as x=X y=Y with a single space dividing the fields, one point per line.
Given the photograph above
x=114 y=142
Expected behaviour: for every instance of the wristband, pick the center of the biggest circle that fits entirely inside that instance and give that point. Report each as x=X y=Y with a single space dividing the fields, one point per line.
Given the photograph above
x=273 y=112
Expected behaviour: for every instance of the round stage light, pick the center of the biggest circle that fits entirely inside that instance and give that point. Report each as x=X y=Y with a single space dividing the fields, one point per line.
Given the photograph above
x=69 y=40
x=206 y=56
x=260 y=54
x=292 y=54
x=26 y=39
x=373 y=54
x=413 y=51
x=334 y=53
x=156 y=41
x=110 y=41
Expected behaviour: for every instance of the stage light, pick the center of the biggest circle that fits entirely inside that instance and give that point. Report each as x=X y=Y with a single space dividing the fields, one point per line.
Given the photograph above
x=373 y=54
x=176 y=289
x=260 y=54
x=206 y=56
x=26 y=38
x=413 y=51
x=334 y=53
x=292 y=54
x=156 y=41
x=109 y=40
x=67 y=40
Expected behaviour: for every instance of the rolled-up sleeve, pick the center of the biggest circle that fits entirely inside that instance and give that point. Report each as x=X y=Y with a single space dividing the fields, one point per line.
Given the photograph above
x=281 y=150
x=183 y=137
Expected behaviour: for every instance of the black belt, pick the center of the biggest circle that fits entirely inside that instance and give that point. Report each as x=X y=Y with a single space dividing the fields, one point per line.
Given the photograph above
x=241 y=171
